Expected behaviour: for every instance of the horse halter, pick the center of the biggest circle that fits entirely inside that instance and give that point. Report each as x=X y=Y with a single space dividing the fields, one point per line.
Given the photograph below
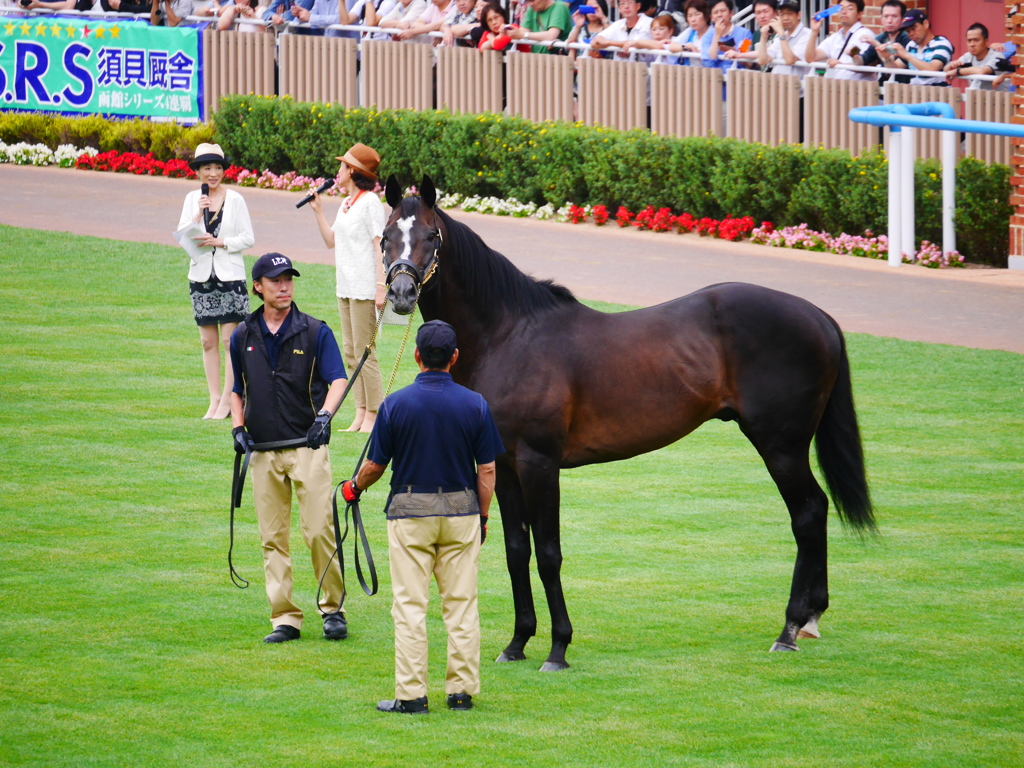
x=420 y=275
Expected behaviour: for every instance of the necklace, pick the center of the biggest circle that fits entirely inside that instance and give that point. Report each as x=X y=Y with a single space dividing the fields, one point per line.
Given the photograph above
x=351 y=200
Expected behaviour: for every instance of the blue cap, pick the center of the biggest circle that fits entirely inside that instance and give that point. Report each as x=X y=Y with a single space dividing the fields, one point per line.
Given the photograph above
x=913 y=17
x=436 y=335
x=272 y=265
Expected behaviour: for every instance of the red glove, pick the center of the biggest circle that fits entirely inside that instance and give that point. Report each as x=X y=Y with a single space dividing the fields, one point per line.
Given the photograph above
x=483 y=528
x=350 y=491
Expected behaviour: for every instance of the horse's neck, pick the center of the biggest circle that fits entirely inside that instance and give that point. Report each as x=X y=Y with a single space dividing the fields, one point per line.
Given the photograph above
x=450 y=304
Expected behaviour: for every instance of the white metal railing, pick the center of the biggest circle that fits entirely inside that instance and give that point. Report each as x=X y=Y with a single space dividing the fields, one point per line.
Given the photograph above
x=557 y=44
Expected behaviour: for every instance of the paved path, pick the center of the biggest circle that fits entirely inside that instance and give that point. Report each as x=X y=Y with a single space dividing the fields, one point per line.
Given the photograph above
x=981 y=308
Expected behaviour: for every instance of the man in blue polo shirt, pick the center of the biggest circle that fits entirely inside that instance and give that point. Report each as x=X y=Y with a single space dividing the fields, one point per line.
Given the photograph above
x=289 y=379
x=443 y=442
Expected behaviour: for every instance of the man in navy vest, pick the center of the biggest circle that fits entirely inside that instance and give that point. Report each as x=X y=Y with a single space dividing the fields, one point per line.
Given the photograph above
x=443 y=442
x=289 y=379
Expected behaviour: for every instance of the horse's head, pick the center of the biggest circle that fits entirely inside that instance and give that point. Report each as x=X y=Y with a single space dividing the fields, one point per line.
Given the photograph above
x=411 y=244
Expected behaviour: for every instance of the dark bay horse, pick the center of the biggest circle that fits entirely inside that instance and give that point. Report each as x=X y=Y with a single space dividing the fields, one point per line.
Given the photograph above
x=563 y=382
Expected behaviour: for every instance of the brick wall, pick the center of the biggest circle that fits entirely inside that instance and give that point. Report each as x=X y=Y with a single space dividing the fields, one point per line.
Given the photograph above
x=1015 y=34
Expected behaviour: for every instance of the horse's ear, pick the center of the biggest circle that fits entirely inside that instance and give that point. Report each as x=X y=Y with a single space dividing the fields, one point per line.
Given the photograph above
x=427 y=192
x=393 y=192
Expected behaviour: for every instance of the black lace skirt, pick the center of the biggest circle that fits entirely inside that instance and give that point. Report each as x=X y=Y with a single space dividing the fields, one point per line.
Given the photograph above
x=216 y=303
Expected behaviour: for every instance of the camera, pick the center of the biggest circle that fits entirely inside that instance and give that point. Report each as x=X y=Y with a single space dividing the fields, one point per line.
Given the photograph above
x=585 y=9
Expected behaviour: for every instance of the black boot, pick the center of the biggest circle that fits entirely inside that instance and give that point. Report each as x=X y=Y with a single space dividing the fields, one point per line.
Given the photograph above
x=411 y=707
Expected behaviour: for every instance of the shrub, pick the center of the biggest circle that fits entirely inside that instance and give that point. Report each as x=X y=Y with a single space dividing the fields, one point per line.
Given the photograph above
x=551 y=164
x=166 y=141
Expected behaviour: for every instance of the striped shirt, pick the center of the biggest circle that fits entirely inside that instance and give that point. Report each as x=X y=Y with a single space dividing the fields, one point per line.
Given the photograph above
x=938 y=49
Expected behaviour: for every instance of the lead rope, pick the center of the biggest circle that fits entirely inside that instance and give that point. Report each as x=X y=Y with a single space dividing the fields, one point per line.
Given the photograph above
x=353 y=506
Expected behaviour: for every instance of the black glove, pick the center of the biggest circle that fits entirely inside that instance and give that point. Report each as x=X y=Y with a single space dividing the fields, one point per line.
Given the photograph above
x=320 y=433
x=241 y=439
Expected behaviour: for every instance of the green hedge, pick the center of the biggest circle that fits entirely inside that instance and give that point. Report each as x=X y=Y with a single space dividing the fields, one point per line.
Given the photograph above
x=164 y=140
x=561 y=162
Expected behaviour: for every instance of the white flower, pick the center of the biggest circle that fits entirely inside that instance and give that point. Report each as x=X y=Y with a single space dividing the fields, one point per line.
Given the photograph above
x=546 y=211
x=450 y=200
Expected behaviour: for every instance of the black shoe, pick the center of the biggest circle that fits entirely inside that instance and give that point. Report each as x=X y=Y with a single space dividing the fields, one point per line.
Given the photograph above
x=335 y=627
x=412 y=707
x=282 y=634
x=460 y=701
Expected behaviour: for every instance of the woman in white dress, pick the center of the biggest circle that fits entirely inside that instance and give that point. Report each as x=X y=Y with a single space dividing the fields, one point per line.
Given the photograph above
x=355 y=238
x=217 y=275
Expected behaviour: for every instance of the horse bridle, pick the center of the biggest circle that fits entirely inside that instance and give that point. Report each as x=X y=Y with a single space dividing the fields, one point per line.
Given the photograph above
x=420 y=275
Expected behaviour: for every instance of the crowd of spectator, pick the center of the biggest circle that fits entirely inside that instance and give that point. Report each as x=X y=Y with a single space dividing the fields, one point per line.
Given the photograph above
x=674 y=32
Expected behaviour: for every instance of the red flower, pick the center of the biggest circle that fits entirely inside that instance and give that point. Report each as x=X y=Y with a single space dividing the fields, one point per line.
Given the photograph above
x=684 y=222
x=662 y=220
x=623 y=217
x=600 y=214
x=644 y=219
x=735 y=229
x=577 y=213
x=706 y=226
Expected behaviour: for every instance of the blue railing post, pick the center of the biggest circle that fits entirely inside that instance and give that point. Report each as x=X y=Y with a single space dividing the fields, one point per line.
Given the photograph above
x=937 y=116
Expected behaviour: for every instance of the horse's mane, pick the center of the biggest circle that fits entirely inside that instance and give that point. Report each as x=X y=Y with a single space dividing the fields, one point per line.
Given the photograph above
x=494 y=282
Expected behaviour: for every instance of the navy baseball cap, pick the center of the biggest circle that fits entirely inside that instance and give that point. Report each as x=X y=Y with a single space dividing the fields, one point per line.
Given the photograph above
x=272 y=265
x=913 y=17
x=790 y=5
x=436 y=335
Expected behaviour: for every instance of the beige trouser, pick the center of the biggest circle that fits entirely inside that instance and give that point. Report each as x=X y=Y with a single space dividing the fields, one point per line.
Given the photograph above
x=273 y=474
x=358 y=319
x=448 y=547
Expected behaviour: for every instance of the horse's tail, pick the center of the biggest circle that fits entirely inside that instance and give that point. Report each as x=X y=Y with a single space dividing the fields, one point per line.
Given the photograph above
x=840 y=455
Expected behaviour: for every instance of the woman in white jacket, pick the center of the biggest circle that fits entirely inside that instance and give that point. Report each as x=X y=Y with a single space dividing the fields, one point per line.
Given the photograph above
x=217 y=275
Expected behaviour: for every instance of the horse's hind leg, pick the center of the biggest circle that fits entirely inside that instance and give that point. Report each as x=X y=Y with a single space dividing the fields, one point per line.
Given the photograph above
x=808 y=511
x=517 y=555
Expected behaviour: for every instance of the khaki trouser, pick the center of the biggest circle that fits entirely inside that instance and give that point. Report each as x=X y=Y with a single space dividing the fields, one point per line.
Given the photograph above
x=448 y=547
x=273 y=474
x=358 y=319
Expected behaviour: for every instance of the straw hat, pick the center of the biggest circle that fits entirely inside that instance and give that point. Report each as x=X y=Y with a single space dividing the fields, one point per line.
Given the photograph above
x=363 y=159
x=208 y=153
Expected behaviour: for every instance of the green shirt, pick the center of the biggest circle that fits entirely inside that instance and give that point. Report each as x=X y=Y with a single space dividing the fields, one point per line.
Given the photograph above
x=557 y=15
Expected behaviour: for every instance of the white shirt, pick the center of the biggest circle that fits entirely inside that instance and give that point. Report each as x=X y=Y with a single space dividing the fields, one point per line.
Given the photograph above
x=235 y=230
x=618 y=33
x=798 y=45
x=429 y=16
x=970 y=60
x=408 y=13
x=355 y=257
x=860 y=38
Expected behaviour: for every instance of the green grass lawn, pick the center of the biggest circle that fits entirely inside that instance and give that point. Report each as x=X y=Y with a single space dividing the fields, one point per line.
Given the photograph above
x=123 y=643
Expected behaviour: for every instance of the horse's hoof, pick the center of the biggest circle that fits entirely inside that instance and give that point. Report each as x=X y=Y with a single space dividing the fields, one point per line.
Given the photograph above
x=553 y=666
x=809 y=630
x=783 y=647
x=513 y=656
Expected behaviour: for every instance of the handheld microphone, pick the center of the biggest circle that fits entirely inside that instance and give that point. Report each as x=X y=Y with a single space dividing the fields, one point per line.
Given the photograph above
x=205 y=189
x=320 y=190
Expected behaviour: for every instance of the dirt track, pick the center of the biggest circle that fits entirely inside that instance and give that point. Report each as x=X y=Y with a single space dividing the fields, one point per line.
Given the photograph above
x=974 y=307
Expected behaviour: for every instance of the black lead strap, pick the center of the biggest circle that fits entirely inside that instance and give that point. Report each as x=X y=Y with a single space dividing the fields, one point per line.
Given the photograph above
x=237 y=481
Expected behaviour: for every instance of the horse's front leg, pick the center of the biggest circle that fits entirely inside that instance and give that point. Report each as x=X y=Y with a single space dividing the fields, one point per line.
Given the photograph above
x=517 y=555
x=539 y=477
